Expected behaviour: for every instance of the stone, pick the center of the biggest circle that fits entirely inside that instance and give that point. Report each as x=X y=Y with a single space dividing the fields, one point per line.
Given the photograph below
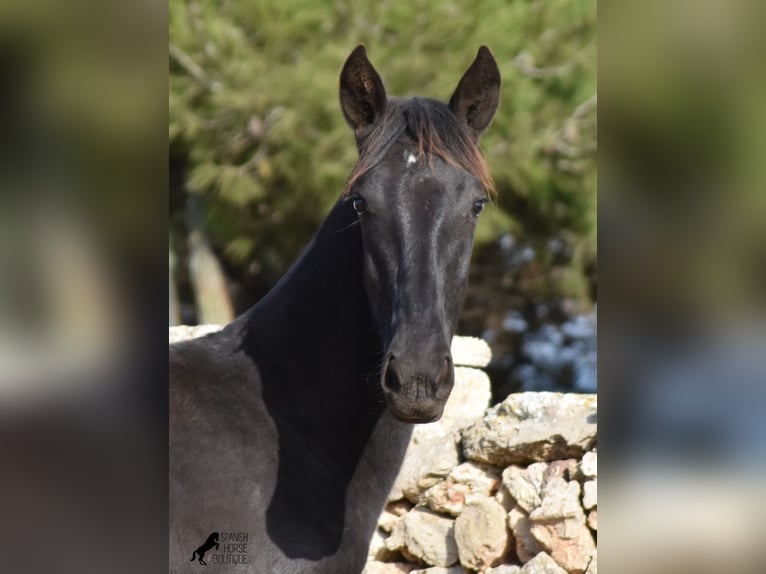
x=378 y=549
x=525 y=484
x=425 y=536
x=505 y=498
x=593 y=520
x=560 y=499
x=542 y=564
x=433 y=451
x=468 y=400
x=183 y=332
x=463 y=483
x=481 y=478
x=558 y=525
x=430 y=456
x=391 y=514
x=504 y=569
x=387 y=520
x=387 y=568
x=592 y=567
x=533 y=427
x=571 y=547
x=526 y=545
x=470 y=352
x=567 y=469
x=440 y=570
x=399 y=507
x=567 y=540
x=589 y=494
x=589 y=464
x=446 y=497
x=481 y=533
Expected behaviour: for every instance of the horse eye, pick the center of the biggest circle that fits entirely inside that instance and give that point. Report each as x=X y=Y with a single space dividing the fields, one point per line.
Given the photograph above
x=359 y=204
x=478 y=206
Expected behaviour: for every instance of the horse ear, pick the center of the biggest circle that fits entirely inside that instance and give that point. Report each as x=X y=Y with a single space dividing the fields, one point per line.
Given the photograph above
x=478 y=93
x=362 y=96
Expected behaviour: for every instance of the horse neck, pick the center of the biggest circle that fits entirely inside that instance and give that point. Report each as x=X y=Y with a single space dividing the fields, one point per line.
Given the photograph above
x=313 y=335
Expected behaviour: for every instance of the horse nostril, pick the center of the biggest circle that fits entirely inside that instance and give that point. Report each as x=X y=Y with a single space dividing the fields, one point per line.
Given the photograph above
x=391 y=380
x=444 y=376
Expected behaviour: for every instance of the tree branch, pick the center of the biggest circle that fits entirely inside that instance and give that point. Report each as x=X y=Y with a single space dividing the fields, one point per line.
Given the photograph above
x=185 y=61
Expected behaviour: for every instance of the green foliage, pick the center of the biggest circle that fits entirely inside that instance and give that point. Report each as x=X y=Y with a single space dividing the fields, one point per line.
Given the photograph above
x=254 y=110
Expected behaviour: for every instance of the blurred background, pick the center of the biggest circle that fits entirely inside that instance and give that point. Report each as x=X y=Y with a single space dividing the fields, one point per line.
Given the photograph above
x=682 y=286
x=259 y=152
x=83 y=204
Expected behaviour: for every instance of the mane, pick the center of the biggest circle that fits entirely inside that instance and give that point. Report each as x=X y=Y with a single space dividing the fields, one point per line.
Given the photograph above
x=433 y=129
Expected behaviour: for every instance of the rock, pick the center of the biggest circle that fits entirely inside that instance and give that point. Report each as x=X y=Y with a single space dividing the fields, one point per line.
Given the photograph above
x=433 y=452
x=504 y=569
x=558 y=525
x=481 y=478
x=564 y=468
x=593 y=520
x=440 y=570
x=469 y=398
x=426 y=536
x=183 y=332
x=542 y=564
x=378 y=549
x=470 y=352
x=560 y=499
x=463 y=483
x=387 y=568
x=592 y=567
x=505 y=498
x=526 y=545
x=588 y=464
x=589 y=494
x=387 y=520
x=525 y=484
x=377 y=542
x=571 y=547
x=399 y=507
x=430 y=456
x=392 y=513
x=446 y=497
x=481 y=533
x=533 y=427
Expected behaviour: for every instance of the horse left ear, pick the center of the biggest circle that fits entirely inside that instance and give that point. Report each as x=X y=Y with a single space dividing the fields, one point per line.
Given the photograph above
x=478 y=93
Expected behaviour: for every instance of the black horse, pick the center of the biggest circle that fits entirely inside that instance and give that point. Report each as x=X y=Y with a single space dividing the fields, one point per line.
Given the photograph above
x=290 y=424
x=209 y=544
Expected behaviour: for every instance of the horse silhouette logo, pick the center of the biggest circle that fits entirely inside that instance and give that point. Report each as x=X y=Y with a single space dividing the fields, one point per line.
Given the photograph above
x=199 y=553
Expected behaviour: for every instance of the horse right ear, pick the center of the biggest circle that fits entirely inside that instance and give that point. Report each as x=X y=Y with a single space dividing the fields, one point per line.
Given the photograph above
x=362 y=96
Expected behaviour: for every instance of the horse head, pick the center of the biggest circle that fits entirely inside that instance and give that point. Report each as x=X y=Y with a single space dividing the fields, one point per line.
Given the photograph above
x=417 y=191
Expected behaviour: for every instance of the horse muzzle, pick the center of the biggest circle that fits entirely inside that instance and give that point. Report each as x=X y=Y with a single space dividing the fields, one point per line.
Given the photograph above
x=417 y=388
